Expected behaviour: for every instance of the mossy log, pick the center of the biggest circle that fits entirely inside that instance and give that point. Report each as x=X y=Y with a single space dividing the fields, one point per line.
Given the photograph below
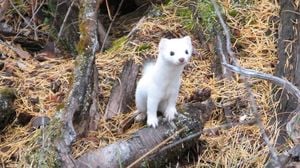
x=81 y=112
x=7 y=112
x=124 y=152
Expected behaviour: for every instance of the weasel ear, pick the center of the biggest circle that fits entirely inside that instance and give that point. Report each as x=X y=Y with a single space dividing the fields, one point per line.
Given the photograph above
x=163 y=43
x=187 y=38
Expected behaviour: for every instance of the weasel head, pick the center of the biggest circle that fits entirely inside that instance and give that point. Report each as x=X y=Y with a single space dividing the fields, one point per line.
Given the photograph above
x=177 y=51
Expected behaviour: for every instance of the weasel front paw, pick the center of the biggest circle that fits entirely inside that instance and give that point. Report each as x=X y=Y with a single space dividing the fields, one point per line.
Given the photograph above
x=170 y=113
x=152 y=121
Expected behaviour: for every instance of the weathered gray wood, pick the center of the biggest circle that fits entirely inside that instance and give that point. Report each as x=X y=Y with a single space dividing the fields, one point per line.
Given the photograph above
x=7 y=112
x=122 y=94
x=288 y=48
x=81 y=110
x=124 y=152
x=288 y=51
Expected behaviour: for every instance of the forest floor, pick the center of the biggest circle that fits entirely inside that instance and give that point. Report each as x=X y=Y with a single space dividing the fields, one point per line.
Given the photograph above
x=43 y=86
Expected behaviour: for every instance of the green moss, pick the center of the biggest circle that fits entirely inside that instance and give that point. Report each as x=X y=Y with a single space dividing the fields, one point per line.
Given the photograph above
x=46 y=155
x=118 y=44
x=191 y=15
x=84 y=40
x=233 y=12
x=8 y=92
x=186 y=16
x=208 y=17
x=60 y=107
x=144 y=47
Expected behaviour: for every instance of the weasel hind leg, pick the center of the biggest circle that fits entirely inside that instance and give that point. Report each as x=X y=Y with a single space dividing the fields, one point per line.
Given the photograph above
x=141 y=105
x=163 y=106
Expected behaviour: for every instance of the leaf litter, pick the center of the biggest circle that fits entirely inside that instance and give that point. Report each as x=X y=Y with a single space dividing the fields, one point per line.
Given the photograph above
x=241 y=146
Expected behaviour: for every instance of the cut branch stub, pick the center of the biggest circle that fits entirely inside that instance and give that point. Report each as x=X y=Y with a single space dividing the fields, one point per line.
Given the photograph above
x=122 y=94
x=124 y=152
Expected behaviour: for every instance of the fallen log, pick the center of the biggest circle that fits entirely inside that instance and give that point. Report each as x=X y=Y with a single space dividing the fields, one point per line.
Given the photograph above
x=7 y=112
x=122 y=94
x=154 y=146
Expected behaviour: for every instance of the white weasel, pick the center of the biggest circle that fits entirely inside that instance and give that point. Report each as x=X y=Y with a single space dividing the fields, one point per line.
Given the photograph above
x=158 y=88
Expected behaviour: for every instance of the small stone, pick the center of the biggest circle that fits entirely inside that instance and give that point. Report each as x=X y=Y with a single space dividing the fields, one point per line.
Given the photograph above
x=37 y=122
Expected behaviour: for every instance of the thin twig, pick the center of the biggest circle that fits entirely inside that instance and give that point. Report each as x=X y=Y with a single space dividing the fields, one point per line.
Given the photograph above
x=65 y=20
x=156 y=147
x=292 y=89
x=108 y=9
x=31 y=19
x=228 y=126
x=260 y=124
x=172 y=145
x=250 y=94
x=225 y=30
x=223 y=58
x=136 y=26
x=110 y=25
x=20 y=14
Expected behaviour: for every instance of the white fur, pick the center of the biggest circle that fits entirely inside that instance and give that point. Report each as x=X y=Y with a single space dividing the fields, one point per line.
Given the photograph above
x=158 y=88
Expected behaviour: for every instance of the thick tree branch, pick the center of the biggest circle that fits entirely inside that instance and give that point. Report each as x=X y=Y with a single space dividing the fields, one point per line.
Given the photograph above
x=81 y=110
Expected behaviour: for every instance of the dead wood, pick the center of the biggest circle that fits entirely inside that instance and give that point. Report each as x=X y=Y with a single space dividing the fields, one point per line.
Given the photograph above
x=289 y=158
x=25 y=42
x=7 y=112
x=124 y=152
x=122 y=94
x=288 y=48
x=81 y=110
x=250 y=73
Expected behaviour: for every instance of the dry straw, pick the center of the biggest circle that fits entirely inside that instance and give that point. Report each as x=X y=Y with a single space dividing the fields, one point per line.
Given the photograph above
x=241 y=146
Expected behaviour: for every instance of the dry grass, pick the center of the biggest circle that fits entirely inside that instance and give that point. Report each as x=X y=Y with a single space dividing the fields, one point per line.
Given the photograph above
x=241 y=146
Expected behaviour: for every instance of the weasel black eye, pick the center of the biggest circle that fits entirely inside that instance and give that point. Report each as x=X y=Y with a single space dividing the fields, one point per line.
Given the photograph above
x=186 y=52
x=172 y=53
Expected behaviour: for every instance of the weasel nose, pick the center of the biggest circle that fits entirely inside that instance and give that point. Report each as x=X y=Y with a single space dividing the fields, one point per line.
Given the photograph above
x=181 y=60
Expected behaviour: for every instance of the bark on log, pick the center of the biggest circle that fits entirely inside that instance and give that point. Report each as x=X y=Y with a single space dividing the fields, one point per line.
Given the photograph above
x=289 y=62
x=124 y=152
x=122 y=94
x=7 y=112
x=288 y=51
x=81 y=110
